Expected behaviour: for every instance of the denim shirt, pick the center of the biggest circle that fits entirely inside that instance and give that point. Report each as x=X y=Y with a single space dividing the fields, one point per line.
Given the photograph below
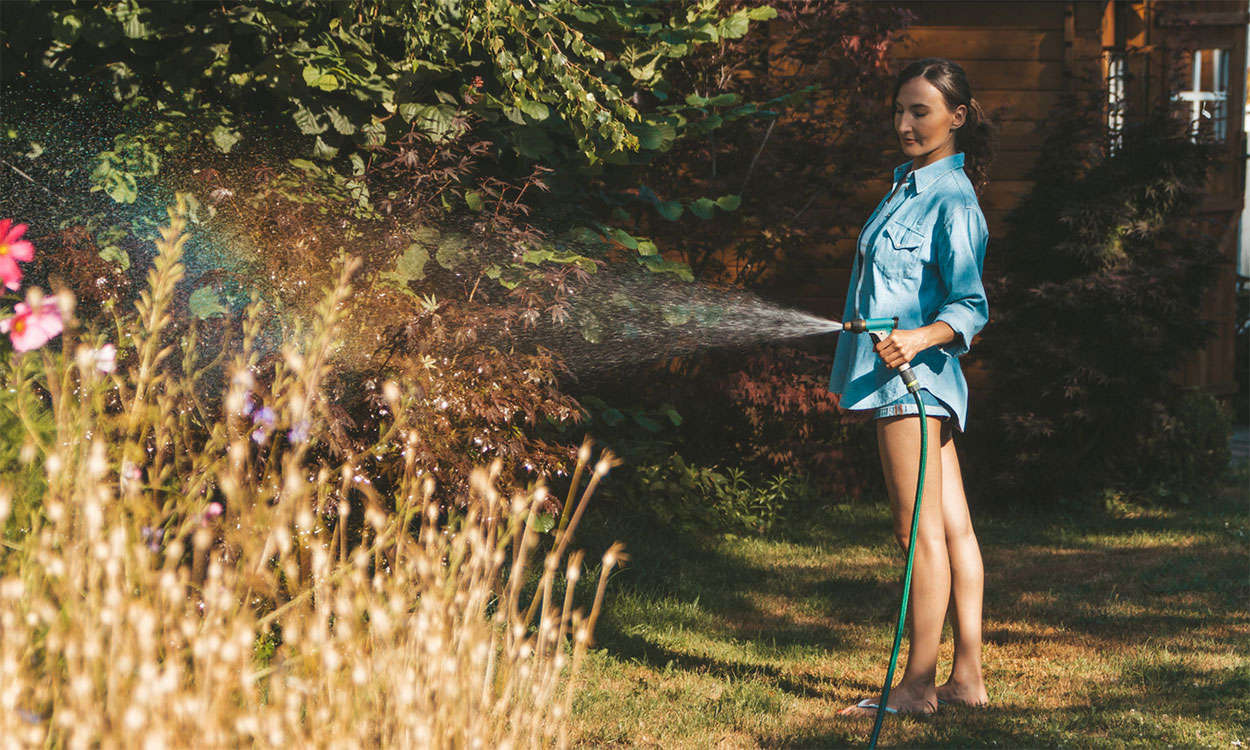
x=920 y=258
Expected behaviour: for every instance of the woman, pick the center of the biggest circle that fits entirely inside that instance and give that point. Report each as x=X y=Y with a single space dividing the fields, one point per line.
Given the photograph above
x=920 y=258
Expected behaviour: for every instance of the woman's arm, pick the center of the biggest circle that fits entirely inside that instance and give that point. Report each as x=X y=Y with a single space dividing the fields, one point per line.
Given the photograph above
x=903 y=344
x=960 y=249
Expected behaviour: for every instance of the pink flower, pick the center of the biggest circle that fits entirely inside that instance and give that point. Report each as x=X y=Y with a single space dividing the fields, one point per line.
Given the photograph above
x=211 y=513
x=13 y=249
x=36 y=321
x=105 y=358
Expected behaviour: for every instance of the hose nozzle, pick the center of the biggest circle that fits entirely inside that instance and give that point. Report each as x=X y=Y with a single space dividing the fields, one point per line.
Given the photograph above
x=870 y=325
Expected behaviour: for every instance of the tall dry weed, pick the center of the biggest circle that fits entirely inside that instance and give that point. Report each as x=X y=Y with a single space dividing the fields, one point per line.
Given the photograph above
x=202 y=576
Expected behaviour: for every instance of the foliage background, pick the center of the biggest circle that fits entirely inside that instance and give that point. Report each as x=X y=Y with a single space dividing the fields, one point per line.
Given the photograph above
x=485 y=159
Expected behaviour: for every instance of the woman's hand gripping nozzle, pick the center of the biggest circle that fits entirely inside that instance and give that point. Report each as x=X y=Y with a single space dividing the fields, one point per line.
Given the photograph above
x=879 y=329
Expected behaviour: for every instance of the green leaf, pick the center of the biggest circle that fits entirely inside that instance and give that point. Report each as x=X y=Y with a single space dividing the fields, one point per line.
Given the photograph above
x=536 y=111
x=658 y=265
x=307 y=122
x=706 y=31
x=408 y=110
x=451 y=251
x=132 y=26
x=374 y=134
x=591 y=328
x=695 y=100
x=408 y=267
x=585 y=235
x=205 y=304
x=762 y=13
x=625 y=238
x=67 y=28
x=647 y=423
x=437 y=120
x=729 y=202
x=514 y=114
x=323 y=150
x=474 y=199
x=120 y=186
x=735 y=26
x=536 y=255
x=724 y=100
x=314 y=77
x=224 y=138
x=654 y=136
x=340 y=121
x=704 y=208
x=647 y=247
x=612 y=417
x=670 y=210
x=544 y=522
x=709 y=315
x=677 y=315
x=115 y=254
x=670 y=411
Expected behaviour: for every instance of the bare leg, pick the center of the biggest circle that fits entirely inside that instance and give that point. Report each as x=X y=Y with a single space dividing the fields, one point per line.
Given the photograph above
x=898 y=439
x=966 y=684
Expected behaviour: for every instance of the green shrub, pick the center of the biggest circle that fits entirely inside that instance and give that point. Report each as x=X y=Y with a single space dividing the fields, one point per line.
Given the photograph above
x=1186 y=448
x=712 y=499
x=1095 y=295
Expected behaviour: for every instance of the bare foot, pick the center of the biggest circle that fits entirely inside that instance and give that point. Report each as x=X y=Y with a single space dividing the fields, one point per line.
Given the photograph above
x=961 y=693
x=902 y=701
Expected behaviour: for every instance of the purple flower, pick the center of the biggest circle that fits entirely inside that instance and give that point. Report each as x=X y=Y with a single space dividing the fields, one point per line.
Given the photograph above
x=263 y=419
x=299 y=432
x=153 y=537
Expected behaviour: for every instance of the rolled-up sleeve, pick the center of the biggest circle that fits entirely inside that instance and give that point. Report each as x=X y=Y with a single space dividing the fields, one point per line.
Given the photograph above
x=960 y=256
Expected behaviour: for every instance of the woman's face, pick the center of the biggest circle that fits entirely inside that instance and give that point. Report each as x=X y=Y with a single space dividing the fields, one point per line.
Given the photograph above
x=924 y=124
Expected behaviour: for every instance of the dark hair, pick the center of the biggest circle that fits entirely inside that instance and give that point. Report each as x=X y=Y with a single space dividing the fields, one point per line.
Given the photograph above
x=975 y=138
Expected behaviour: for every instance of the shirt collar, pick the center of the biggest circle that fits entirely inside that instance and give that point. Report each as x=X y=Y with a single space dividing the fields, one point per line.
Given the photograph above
x=926 y=176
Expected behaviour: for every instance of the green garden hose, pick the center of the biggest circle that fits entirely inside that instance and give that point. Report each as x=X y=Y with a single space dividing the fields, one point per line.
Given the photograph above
x=911 y=554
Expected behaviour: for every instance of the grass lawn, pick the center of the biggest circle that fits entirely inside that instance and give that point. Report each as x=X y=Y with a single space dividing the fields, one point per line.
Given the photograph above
x=1125 y=628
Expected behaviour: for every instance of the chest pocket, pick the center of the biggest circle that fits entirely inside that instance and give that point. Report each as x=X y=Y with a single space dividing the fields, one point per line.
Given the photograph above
x=899 y=252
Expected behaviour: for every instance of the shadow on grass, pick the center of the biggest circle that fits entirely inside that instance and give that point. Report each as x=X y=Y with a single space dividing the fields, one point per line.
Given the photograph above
x=1163 y=706
x=1111 y=725
x=1132 y=618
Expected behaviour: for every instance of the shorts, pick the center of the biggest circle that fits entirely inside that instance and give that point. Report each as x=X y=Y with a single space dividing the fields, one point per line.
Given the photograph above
x=906 y=406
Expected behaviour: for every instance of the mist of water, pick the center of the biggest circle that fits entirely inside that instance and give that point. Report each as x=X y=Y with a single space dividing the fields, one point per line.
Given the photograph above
x=616 y=320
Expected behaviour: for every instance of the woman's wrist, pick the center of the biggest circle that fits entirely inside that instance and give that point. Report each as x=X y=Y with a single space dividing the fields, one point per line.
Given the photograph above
x=938 y=334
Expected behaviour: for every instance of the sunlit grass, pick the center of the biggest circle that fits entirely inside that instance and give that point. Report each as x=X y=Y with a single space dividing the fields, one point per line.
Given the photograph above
x=1124 y=628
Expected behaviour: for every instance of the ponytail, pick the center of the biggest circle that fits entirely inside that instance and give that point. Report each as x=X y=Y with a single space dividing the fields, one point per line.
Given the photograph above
x=976 y=138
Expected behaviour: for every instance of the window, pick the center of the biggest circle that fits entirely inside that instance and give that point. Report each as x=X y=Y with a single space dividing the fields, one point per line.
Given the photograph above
x=1117 y=99
x=1205 y=102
